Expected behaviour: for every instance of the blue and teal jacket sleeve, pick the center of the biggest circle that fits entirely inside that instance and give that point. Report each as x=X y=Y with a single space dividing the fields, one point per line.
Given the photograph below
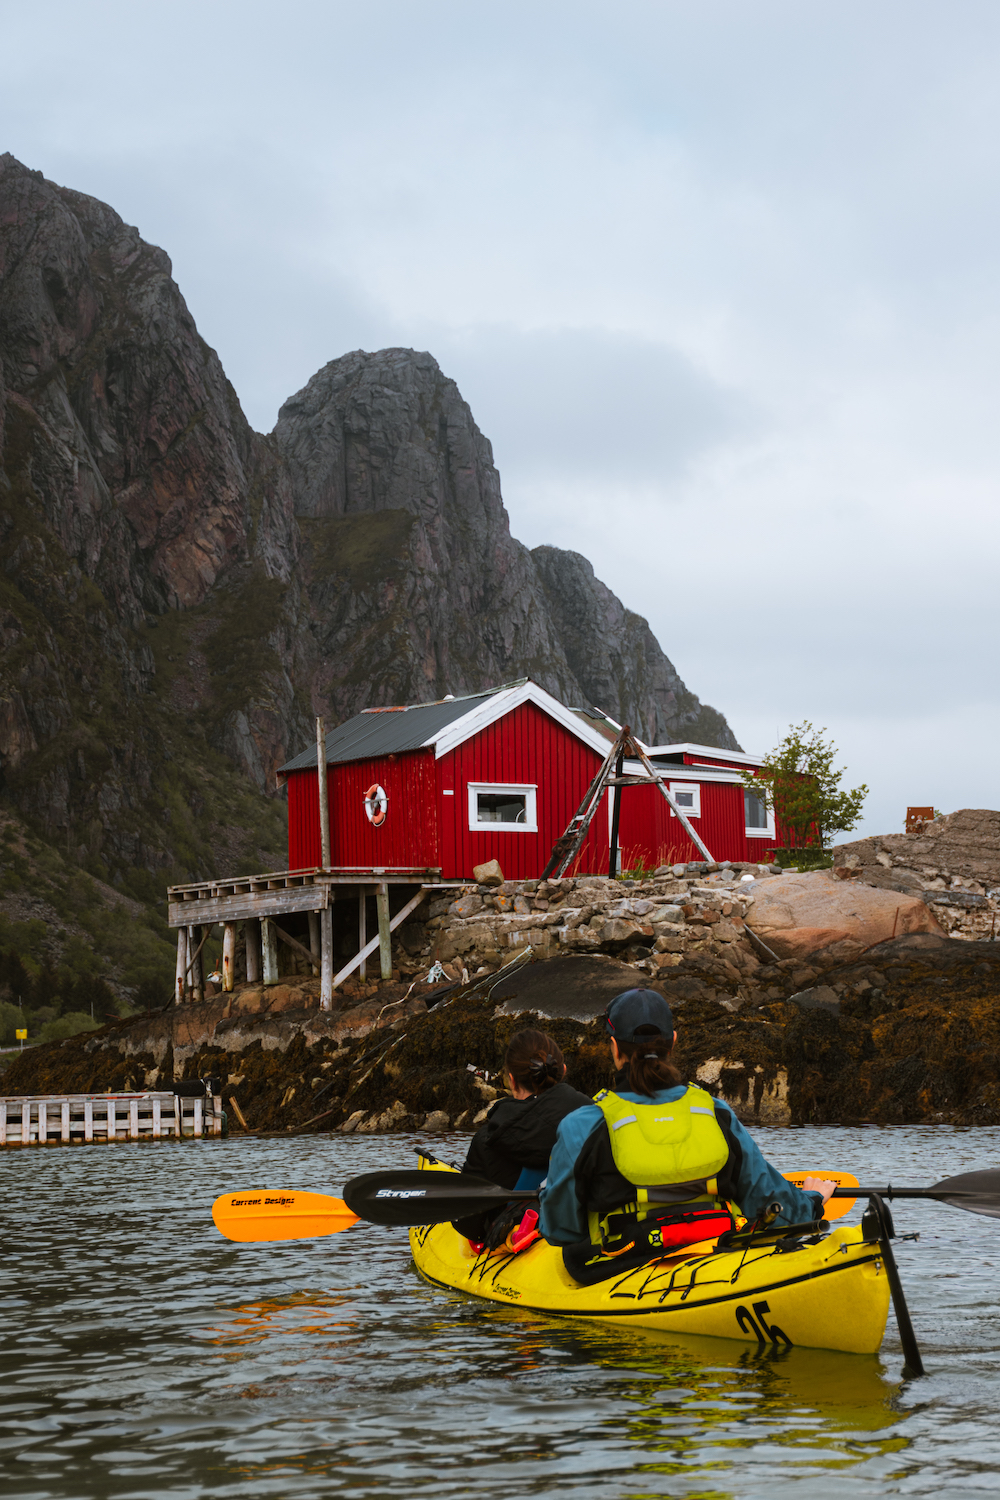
x=758 y=1183
x=563 y=1217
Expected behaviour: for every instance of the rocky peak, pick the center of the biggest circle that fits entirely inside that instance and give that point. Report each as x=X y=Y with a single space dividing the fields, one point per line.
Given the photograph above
x=181 y=594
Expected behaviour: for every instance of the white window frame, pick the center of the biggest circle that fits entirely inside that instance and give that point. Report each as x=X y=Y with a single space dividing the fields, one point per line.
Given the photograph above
x=760 y=833
x=687 y=786
x=527 y=790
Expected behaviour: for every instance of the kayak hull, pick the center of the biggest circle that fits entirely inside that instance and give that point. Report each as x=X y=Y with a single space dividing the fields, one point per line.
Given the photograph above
x=833 y=1294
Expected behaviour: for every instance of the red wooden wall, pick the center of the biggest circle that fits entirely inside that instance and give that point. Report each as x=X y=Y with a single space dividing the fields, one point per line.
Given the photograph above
x=523 y=747
x=647 y=834
x=407 y=840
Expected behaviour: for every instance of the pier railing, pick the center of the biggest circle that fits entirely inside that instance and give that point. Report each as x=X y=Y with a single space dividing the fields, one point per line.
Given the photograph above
x=85 y=1119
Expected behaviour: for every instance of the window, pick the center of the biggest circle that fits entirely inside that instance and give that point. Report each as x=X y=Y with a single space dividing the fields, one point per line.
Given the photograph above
x=759 y=823
x=500 y=807
x=687 y=795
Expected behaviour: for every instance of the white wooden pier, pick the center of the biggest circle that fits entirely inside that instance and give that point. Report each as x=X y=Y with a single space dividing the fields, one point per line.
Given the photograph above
x=86 y=1119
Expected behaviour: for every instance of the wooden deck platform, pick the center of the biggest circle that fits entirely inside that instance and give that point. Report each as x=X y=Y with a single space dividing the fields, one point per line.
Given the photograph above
x=86 y=1119
x=257 y=902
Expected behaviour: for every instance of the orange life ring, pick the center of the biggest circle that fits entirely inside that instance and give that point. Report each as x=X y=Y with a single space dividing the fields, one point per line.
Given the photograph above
x=376 y=805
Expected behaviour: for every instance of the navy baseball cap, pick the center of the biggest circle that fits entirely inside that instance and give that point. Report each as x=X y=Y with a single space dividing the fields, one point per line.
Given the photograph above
x=634 y=1008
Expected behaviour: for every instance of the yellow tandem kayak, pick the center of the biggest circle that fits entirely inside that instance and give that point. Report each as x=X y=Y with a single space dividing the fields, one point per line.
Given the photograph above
x=831 y=1293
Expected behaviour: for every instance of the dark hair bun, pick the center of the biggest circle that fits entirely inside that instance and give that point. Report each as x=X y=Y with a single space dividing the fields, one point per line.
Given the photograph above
x=534 y=1061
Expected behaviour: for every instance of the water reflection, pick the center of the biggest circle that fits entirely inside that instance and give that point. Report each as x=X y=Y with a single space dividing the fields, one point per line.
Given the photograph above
x=145 y=1356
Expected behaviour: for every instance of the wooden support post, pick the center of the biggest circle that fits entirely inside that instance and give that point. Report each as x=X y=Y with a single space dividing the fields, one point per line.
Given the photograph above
x=112 y=1119
x=616 y=797
x=88 y=1119
x=375 y=942
x=314 y=940
x=384 y=930
x=253 y=950
x=269 y=945
x=180 y=988
x=195 y=962
x=324 y=805
x=64 y=1121
x=228 y=954
x=326 y=959
x=133 y=1119
x=43 y=1123
x=157 y=1107
x=362 y=931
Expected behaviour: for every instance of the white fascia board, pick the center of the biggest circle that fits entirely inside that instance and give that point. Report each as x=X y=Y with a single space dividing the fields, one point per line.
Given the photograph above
x=685 y=773
x=498 y=704
x=738 y=755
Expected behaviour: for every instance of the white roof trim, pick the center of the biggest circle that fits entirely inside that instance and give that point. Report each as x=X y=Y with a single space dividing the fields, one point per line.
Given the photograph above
x=713 y=750
x=686 y=773
x=488 y=710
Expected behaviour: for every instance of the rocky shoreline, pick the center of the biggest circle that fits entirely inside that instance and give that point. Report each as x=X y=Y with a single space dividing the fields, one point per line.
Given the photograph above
x=909 y=1033
x=837 y=997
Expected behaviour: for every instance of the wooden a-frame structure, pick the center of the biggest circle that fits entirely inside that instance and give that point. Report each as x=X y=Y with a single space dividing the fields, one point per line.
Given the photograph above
x=567 y=846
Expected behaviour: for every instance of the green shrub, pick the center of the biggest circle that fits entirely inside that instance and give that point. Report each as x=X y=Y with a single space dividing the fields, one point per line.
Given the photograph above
x=12 y=1018
x=68 y=1025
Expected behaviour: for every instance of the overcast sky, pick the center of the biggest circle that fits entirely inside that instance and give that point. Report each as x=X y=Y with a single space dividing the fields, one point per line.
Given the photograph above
x=718 y=280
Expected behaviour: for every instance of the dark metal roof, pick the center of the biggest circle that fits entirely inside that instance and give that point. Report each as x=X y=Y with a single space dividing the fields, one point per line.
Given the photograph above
x=385 y=731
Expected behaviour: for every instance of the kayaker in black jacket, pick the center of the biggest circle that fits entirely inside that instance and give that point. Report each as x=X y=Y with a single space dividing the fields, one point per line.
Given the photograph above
x=512 y=1145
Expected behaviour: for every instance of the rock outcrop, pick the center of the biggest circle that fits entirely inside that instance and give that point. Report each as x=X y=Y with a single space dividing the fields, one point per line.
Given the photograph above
x=817 y=918
x=951 y=864
x=181 y=595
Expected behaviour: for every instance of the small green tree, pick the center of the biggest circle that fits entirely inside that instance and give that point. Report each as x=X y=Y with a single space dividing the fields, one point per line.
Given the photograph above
x=798 y=782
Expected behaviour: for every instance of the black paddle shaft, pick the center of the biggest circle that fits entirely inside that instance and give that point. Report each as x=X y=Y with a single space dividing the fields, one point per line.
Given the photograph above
x=406 y=1199
x=977 y=1192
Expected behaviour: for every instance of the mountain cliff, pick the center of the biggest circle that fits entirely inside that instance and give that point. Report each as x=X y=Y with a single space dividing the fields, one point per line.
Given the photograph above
x=179 y=595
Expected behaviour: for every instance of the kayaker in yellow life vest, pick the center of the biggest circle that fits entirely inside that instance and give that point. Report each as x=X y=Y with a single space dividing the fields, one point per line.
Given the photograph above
x=654 y=1164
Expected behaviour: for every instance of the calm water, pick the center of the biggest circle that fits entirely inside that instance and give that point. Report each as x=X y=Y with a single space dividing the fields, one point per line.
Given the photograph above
x=143 y=1355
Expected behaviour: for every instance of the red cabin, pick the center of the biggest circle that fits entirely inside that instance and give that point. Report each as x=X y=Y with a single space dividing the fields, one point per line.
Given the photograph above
x=498 y=775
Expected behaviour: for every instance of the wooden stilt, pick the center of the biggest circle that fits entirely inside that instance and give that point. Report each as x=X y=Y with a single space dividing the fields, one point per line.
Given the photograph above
x=197 y=971
x=253 y=950
x=326 y=959
x=182 y=957
x=269 y=946
x=375 y=942
x=228 y=954
x=384 y=930
x=362 y=931
x=315 y=947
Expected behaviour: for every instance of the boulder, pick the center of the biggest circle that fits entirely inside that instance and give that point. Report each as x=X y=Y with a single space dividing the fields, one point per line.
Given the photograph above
x=577 y=987
x=813 y=916
x=489 y=873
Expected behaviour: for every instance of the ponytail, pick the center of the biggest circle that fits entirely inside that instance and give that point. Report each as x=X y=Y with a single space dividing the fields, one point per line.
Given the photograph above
x=648 y=1061
x=534 y=1061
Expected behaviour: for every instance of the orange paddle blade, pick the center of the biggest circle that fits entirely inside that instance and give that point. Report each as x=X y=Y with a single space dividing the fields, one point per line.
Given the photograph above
x=280 y=1214
x=836 y=1207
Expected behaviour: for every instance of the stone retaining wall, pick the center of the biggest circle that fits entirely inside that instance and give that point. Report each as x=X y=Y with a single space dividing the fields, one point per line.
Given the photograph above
x=652 y=925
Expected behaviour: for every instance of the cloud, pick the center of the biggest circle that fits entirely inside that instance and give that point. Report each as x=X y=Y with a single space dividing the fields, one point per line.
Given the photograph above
x=565 y=404
x=719 y=282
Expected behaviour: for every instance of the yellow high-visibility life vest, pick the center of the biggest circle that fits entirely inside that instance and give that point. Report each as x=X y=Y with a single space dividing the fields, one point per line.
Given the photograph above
x=663 y=1149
